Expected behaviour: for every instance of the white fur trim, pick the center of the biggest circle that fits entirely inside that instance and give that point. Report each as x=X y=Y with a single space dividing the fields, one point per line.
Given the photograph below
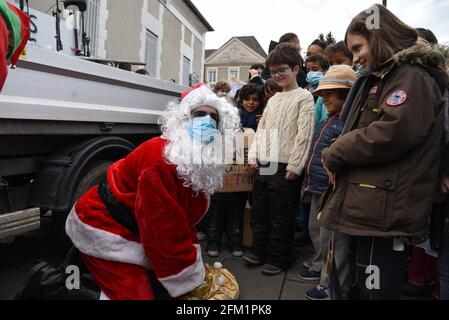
x=102 y=244
x=103 y=296
x=188 y=279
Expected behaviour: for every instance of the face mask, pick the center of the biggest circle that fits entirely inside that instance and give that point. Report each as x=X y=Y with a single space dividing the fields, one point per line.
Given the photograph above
x=360 y=71
x=314 y=77
x=203 y=129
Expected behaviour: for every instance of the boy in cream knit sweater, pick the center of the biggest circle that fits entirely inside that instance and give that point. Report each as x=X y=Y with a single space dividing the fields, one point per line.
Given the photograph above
x=279 y=153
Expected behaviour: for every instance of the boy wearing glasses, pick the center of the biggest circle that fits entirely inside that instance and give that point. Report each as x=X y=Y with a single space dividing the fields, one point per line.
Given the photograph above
x=282 y=142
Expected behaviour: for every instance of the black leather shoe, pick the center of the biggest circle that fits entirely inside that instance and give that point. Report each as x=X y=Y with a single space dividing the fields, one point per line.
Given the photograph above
x=270 y=270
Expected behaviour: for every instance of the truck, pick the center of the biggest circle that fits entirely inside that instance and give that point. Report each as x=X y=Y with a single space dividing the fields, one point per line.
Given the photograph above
x=63 y=121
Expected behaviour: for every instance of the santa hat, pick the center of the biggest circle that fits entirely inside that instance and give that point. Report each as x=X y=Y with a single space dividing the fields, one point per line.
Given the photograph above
x=24 y=33
x=14 y=34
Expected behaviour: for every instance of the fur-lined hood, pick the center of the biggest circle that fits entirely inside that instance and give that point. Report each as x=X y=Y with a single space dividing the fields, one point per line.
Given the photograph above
x=434 y=58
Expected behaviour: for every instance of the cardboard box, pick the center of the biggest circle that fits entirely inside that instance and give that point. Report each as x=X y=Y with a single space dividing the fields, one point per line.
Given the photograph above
x=238 y=177
x=247 y=231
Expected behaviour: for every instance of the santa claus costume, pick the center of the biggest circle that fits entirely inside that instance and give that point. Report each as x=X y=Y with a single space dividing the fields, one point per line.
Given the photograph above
x=165 y=196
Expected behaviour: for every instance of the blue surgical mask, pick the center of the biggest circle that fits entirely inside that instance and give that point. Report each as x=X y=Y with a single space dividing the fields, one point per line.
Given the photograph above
x=358 y=70
x=203 y=129
x=314 y=77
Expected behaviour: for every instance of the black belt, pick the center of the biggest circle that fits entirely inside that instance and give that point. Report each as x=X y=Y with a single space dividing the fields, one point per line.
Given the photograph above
x=117 y=210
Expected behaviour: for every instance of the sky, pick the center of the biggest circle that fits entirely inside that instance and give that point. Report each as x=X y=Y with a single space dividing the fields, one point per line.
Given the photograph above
x=269 y=19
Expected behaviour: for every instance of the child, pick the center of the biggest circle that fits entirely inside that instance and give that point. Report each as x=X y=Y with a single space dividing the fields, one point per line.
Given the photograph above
x=270 y=88
x=334 y=89
x=339 y=54
x=222 y=89
x=251 y=103
x=226 y=210
x=316 y=47
x=255 y=74
x=316 y=66
x=289 y=116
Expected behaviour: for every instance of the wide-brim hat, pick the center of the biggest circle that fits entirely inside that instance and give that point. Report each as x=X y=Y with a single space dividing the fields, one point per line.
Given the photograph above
x=337 y=77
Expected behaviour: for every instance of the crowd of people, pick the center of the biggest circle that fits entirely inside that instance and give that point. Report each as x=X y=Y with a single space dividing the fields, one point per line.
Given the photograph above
x=361 y=137
x=360 y=158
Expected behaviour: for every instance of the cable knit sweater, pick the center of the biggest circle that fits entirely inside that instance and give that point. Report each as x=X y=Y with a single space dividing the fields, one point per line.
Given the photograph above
x=290 y=117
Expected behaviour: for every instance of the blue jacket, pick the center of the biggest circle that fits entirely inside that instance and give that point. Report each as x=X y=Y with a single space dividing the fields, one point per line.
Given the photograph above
x=249 y=119
x=316 y=179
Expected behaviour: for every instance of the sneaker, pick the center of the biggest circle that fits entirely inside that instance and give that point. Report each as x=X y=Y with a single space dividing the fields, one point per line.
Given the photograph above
x=307 y=264
x=201 y=236
x=310 y=275
x=213 y=253
x=252 y=259
x=270 y=270
x=237 y=253
x=318 y=293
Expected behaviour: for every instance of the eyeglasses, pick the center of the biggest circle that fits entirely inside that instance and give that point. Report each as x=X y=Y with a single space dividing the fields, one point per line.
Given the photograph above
x=200 y=114
x=281 y=71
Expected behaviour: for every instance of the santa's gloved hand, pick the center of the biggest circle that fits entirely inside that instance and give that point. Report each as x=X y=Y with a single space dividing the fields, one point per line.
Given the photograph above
x=219 y=284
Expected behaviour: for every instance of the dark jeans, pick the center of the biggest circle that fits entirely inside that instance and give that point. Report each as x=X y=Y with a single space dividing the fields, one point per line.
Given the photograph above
x=226 y=213
x=391 y=264
x=443 y=268
x=273 y=217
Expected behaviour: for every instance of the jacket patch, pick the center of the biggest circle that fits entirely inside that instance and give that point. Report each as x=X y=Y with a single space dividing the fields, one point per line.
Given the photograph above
x=373 y=91
x=397 y=98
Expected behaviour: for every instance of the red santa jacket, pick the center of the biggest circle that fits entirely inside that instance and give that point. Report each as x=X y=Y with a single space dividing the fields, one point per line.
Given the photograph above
x=166 y=213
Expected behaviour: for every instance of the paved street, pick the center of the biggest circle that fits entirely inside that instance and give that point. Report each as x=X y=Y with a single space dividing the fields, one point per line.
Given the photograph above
x=18 y=257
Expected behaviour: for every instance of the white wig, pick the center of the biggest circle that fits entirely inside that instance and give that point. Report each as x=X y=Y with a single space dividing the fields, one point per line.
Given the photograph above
x=207 y=175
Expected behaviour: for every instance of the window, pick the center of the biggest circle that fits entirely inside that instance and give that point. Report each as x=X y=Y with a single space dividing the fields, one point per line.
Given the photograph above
x=92 y=15
x=211 y=75
x=151 y=43
x=233 y=72
x=185 y=71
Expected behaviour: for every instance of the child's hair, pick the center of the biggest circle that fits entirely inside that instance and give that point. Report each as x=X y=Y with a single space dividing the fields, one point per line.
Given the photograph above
x=222 y=86
x=284 y=54
x=257 y=66
x=288 y=37
x=248 y=90
x=392 y=35
x=339 y=47
x=272 y=86
x=319 y=43
x=321 y=59
x=427 y=35
x=342 y=93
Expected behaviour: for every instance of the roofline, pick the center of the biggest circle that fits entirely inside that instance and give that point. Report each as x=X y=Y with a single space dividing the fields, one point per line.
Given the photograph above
x=197 y=12
x=227 y=42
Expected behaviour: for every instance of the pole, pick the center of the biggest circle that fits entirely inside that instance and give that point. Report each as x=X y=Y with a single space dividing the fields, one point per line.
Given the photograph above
x=384 y=2
x=58 y=27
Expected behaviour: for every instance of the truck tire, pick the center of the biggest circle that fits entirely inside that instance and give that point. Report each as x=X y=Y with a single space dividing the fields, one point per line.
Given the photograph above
x=93 y=175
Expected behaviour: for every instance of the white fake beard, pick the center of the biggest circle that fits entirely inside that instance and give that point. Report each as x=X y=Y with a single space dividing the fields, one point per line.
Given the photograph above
x=201 y=166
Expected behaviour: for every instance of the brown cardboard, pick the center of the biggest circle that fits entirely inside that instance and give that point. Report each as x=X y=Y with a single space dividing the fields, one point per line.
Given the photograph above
x=238 y=177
